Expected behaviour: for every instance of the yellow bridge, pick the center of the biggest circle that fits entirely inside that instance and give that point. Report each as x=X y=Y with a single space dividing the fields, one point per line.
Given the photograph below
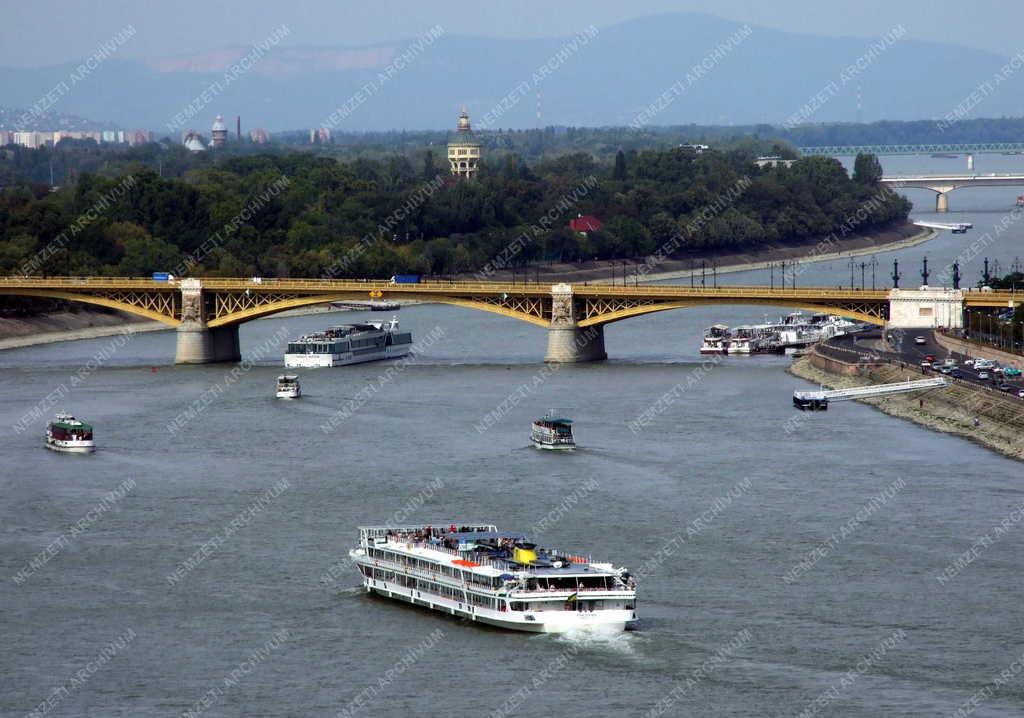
x=207 y=312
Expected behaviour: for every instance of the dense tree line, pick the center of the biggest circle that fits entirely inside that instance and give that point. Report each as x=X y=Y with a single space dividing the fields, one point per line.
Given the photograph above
x=287 y=213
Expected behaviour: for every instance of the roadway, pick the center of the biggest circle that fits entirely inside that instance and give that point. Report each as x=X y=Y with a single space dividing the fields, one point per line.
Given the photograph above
x=904 y=349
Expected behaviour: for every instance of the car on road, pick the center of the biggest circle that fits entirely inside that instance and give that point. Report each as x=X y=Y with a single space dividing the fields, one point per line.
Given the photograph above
x=1021 y=393
x=956 y=374
x=983 y=375
x=1011 y=371
x=983 y=364
x=969 y=362
x=946 y=370
x=929 y=357
x=920 y=340
x=1005 y=387
x=926 y=365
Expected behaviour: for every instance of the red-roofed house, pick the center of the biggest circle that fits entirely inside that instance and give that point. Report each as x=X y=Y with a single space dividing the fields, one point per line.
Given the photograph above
x=585 y=223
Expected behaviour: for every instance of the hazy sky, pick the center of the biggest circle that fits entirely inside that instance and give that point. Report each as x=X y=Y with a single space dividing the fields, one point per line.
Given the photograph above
x=32 y=35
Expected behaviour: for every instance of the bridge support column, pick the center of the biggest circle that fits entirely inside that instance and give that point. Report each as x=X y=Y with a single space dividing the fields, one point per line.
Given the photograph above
x=197 y=343
x=567 y=342
x=572 y=344
x=941 y=202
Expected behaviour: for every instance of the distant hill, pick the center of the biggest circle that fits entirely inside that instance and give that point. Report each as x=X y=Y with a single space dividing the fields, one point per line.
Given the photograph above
x=22 y=118
x=609 y=79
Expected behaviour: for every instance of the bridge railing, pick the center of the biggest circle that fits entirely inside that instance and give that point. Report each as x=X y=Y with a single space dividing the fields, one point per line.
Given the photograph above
x=441 y=286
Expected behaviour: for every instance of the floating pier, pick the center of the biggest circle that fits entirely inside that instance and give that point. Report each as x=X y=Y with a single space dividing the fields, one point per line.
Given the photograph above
x=819 y=400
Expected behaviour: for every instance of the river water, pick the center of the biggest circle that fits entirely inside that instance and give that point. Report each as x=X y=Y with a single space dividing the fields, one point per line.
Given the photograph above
x=791 y=563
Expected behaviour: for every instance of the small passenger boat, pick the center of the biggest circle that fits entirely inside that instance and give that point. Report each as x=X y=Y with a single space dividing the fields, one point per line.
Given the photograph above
x=288 y=387
x=69 y=435
x=553 y=433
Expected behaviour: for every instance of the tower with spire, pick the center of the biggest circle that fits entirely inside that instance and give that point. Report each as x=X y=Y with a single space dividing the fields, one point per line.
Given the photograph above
x=464 y=149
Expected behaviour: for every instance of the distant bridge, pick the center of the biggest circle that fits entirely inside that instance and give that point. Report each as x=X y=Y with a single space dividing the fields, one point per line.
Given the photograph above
x=207 y=312
x=926 y=149
x=942 y=185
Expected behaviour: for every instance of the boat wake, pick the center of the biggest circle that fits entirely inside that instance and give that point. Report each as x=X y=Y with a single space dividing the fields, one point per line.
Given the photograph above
x=597 y=638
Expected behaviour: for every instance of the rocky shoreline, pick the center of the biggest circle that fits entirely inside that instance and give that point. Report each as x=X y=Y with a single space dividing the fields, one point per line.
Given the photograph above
x=980 y=415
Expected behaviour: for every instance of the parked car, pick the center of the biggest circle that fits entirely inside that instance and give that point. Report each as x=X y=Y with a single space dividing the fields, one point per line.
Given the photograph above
x=956 y=374
x=1011 y=371
x=946 y=370
x=929 y=357
x=983 y=375
x=1005 y=387
x=1021 y=393
x=969 y=362
x=926 y=365
x=920 y=340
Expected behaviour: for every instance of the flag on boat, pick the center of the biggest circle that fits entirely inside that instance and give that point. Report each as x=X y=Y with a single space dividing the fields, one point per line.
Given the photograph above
x=574 y=596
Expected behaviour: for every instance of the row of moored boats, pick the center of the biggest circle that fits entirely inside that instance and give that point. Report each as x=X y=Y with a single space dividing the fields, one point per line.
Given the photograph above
x=793 y=334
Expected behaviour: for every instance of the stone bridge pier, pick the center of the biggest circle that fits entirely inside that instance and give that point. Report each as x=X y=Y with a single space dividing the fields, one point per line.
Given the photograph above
x=567 y=341
x=197 y=343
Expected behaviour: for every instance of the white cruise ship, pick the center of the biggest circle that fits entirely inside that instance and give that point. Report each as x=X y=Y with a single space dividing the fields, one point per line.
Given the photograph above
x=495 y=577
x=349 y=344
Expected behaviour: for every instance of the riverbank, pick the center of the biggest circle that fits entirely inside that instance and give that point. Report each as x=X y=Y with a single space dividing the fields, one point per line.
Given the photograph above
x=985 y=417
x=906 y=235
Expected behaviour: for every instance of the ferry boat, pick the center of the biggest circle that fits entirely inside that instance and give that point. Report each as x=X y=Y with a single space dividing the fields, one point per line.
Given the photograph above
x=288 y=387
x=68 y=434
x=553 y=433
x=743 y=340
x=716 y=339
x=494 y=577
x=349 y=344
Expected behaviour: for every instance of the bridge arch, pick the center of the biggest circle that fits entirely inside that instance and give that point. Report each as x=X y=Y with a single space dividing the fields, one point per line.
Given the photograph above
x=257 y=310
x=158 y=308
x=636 y=311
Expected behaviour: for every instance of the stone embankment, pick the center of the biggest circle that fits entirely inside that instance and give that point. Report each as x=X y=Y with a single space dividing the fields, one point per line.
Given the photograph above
x=987 y=417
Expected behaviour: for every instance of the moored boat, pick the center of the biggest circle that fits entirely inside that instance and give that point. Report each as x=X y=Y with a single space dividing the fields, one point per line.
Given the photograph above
x=288 y=387
x=715 y=339
x=553 y=433
x=495 y=577
x=70 y=435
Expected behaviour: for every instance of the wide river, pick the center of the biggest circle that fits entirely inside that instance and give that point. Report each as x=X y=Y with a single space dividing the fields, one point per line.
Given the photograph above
x=791 y=564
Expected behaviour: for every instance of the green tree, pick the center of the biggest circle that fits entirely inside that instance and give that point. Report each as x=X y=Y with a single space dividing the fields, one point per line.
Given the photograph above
x=867 y=169
x=619 y=172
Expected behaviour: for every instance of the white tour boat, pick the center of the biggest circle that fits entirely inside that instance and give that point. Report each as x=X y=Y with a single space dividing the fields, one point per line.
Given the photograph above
x=716 y=339
x=349 y=344
x=495 y=577
x=288 y=387
x=553 y=433
x=68 y=434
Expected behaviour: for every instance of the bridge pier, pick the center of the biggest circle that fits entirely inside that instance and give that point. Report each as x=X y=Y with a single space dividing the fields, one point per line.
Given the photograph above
x=197 y=343
x=941 y=202
x=567 y=341
x=571 y=344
